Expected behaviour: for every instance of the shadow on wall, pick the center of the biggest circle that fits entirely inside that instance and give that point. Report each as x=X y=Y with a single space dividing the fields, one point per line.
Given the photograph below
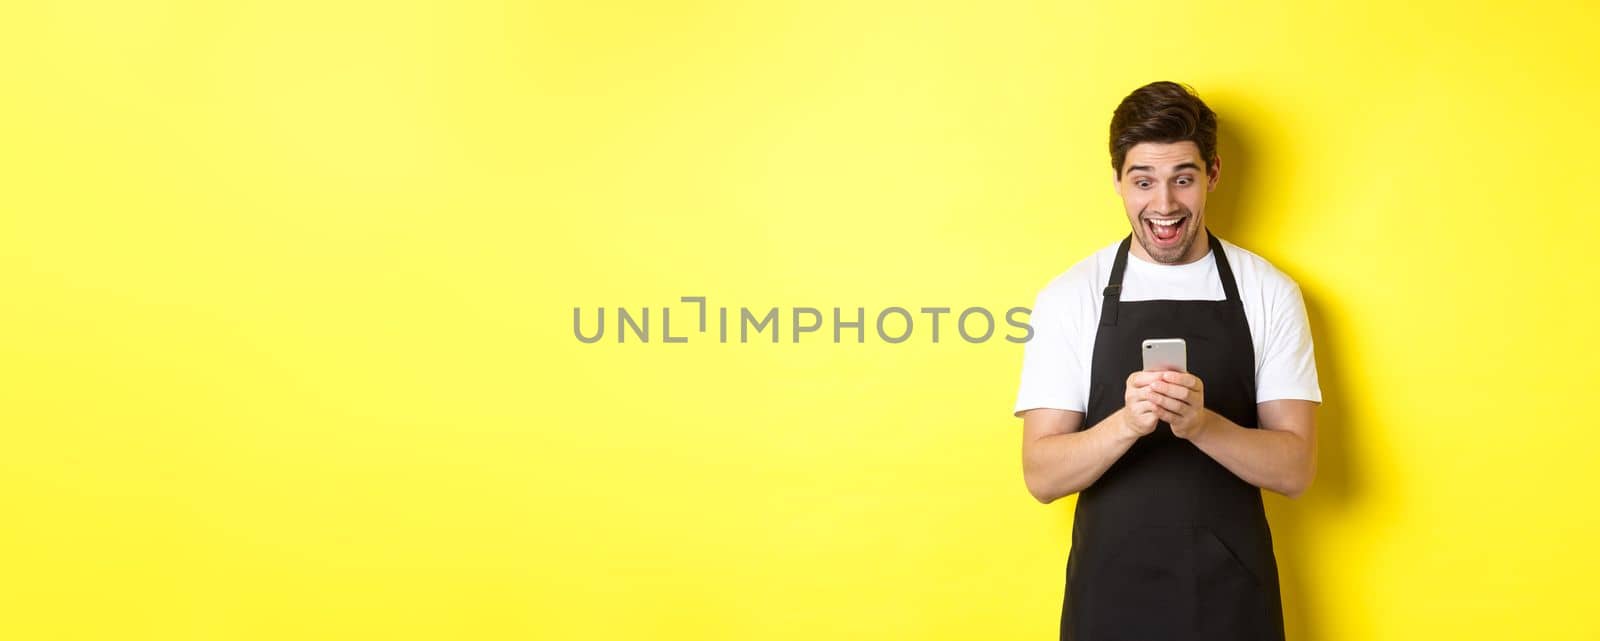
x=1229 y=212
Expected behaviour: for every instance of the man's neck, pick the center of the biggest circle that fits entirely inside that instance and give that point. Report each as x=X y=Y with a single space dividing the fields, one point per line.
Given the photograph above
x=1197 y=251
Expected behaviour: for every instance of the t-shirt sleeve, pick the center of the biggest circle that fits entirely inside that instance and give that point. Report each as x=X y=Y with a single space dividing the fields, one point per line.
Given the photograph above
x=1288 y=360
x=1050 y=365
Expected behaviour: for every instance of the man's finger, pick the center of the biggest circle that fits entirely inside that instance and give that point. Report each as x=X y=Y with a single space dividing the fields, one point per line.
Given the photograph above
x=1143 y=378
x=1168 y=403
x=1169 y=417
x=1142 y=407
x=1183 y=378
x=1172 y=391
x=1157 y=395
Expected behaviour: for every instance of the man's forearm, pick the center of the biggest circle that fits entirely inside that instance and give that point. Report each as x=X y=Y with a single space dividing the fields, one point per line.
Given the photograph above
x=1062 y=464
x=1272 y=459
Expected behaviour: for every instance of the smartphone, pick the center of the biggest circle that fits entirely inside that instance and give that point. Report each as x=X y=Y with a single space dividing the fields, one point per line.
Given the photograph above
x=1166 y=354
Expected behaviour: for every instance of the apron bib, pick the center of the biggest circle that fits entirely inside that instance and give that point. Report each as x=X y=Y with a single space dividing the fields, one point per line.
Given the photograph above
x=1169 y=544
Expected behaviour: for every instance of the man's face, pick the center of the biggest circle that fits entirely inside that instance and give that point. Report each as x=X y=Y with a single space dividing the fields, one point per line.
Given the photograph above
x=1164 y=187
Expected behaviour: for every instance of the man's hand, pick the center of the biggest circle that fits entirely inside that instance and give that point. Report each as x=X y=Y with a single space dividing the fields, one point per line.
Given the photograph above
x=1138 y=407
x=1180 y=400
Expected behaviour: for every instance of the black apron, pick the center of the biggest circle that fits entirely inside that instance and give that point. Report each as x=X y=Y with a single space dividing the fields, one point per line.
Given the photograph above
x=1169 y=544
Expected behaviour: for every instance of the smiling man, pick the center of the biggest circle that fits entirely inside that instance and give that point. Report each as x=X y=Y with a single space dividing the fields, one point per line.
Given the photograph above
x=1169 y=539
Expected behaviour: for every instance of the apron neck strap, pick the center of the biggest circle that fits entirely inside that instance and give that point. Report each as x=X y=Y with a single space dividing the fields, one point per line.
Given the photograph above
x=1113 y=291
x=1224 y=270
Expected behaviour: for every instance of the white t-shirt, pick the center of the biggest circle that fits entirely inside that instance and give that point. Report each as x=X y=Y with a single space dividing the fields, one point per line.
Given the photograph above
x=1066 y=316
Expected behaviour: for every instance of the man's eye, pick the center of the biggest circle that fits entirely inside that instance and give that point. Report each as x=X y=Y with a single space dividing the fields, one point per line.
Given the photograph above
x=1143 y=184
x=1183 y=181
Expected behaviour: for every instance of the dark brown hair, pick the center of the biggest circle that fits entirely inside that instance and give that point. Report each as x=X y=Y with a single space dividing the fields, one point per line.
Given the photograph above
x=1163 y=112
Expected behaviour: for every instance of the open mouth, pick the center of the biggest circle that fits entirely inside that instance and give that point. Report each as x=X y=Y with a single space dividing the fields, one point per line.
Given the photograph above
x=1166 y=231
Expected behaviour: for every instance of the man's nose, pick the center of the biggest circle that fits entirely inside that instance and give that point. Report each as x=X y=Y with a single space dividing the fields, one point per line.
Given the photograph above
x=1163 y=202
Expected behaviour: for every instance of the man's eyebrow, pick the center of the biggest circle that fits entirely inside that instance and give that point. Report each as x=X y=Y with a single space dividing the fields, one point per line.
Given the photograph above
x=1181 y=167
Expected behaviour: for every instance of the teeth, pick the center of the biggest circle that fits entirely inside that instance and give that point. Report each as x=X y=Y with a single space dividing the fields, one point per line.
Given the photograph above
x=1166 y=223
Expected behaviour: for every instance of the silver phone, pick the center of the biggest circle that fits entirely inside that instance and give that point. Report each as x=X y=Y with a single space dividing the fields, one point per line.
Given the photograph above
x=1166 y=354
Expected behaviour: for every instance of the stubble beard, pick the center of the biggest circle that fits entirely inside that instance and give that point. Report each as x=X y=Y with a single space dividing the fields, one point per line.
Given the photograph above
x=1175 y=254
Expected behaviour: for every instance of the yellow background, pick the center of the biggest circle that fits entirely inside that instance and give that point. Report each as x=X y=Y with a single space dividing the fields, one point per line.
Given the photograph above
x=287 y=297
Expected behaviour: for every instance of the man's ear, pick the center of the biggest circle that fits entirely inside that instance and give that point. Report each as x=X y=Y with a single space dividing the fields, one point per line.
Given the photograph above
x=1216 y=172
x=1116 y=182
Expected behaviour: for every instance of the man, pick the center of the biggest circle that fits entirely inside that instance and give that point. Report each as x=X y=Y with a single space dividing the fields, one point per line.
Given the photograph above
x=1169 y=538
